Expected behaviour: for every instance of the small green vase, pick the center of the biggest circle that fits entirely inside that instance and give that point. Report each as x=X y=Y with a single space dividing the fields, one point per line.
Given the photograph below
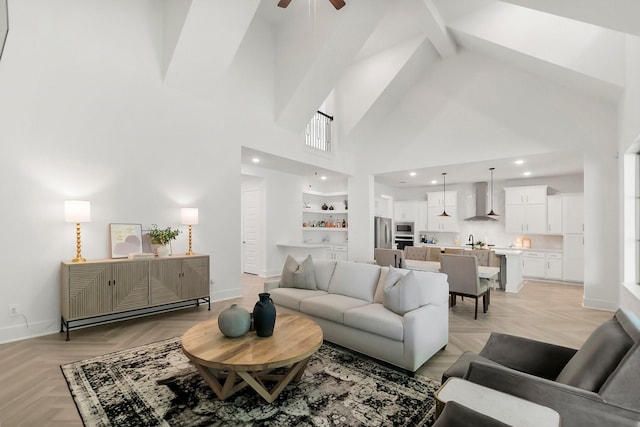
x=234 y=321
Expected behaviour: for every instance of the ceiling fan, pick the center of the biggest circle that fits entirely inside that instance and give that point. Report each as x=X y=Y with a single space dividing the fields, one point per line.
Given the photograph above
x=338 y=4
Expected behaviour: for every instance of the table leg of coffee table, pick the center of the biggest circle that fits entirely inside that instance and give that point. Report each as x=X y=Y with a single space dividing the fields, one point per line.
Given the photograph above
x=221 y=390
x=295 y=371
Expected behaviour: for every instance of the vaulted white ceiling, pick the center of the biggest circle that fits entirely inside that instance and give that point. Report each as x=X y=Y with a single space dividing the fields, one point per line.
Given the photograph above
x=371 y=52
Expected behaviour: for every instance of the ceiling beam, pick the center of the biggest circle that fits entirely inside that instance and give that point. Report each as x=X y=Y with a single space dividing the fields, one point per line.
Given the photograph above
x=208 y=42
x=437 y=32
x=619 y=15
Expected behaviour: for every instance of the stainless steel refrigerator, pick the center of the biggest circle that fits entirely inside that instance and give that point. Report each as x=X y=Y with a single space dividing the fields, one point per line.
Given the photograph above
x=382 y=232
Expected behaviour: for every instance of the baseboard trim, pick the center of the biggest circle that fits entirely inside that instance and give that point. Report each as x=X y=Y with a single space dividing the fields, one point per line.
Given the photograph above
x=225 y=295
x=600 y=304
x=35 y=329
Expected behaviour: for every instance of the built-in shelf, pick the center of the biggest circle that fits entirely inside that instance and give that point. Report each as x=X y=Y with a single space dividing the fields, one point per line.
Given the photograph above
x=325 y=211
x=329 y=229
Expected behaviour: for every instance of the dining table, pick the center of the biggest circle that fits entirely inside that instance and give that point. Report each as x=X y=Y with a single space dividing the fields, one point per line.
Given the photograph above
x=484 y=272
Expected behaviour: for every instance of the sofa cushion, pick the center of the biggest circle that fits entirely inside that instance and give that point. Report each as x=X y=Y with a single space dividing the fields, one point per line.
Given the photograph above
x=291 y=297
x=330 y=306
x=376 y=319
x=357 y=280
x=379 y=295
x=401 y=291
x=599 y=356
x=324 y=271
x=434 y=288
x=300 y=275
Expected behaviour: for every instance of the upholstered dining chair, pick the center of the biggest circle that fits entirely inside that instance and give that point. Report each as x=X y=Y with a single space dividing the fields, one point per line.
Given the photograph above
x=433 y=254
x=487 y=258
x=386 y=257
x=454 y=251
x=415 y=252
x=462 y=272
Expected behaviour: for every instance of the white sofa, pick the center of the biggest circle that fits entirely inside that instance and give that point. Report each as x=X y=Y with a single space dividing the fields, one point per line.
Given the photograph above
x=349 y=305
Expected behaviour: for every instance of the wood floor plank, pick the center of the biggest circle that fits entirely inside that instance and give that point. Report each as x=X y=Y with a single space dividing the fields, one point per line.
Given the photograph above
x=34 y=392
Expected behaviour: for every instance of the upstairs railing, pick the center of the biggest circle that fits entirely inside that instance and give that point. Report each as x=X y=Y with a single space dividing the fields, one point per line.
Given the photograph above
x=318 y=132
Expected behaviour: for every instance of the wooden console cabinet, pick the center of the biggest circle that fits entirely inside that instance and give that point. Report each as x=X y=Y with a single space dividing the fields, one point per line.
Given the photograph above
x=94 y=291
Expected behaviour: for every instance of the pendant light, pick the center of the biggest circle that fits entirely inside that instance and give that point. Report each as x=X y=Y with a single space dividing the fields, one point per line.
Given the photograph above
x=444 y=188
x=492 y=213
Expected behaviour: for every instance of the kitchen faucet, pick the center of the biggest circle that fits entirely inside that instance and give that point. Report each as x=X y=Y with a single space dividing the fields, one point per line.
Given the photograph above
x=471 y=241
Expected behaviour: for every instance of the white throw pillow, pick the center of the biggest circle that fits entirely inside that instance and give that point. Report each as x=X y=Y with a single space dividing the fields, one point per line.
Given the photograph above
x=301 y=276
x=401 y=292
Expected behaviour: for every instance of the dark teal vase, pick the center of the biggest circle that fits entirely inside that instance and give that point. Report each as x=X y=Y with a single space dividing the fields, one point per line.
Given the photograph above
x=264 y=316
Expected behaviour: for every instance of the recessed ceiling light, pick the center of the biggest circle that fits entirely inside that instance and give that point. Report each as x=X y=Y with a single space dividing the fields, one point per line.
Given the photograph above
x=519 y=162
x=324 y=178
x=435 y=181
x=255 y=160
x=527 y=173
x=412 y=173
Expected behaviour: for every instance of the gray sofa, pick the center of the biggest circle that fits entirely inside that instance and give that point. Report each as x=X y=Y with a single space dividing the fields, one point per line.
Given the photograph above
x=348 y=303
x=597 y=385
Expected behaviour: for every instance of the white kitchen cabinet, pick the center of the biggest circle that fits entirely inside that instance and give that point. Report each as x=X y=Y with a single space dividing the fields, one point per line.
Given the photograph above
x=436 y=222
x=573 y=261
x=337 y=252
x=554 y=214
x=440 y=198
x=405 y=210
x=423 y=217
x=526 y=209
x=553 y=269
x=573 y=214
x=527 y=195
x=438 y=201
x=531 y=219
x=533 y=264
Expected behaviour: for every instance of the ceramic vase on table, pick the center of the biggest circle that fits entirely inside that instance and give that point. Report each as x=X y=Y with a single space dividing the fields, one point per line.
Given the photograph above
x=164 y=250
x=234 y=321
x=264 y=316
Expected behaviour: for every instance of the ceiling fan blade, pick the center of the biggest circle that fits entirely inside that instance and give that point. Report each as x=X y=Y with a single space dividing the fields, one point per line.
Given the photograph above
x=338 y=4
x=284 y=3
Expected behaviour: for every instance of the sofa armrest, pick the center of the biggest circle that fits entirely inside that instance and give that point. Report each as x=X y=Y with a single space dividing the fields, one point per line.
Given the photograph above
x=577 y=407
x=420 y=341
x=271 y=284
x=522 y=354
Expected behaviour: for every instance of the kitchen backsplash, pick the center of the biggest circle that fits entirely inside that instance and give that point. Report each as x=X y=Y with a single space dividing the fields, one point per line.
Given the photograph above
x=493 y=233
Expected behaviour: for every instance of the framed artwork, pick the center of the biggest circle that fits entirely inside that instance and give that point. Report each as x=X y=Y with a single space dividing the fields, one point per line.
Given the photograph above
x=125 y=239
x=4 y=24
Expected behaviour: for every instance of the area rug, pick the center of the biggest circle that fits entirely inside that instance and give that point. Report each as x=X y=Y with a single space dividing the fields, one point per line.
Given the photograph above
x=156 y=385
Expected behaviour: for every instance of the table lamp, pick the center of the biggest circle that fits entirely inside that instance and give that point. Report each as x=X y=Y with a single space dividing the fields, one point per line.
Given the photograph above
x=77 y=211
x=190 y=217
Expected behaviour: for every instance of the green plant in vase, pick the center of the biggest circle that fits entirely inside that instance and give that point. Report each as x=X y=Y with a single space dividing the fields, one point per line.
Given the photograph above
x=163 y=236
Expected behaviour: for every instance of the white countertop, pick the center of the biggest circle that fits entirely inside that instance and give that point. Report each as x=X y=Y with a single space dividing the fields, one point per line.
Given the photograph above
x=500 y=250
x=310 y=245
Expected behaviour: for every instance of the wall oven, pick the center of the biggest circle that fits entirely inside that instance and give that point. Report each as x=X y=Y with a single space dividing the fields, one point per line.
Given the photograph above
x=404 y=234
x=404 y=228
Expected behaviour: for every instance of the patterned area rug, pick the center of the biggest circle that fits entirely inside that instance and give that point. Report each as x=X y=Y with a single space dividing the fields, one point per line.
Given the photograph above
x=156 y=385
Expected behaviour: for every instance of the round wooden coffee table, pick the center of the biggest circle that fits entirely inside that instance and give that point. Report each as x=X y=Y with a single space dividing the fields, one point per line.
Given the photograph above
x=230 y=364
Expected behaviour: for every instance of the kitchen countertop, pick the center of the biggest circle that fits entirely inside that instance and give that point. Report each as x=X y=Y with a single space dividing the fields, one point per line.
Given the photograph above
x=500 y=250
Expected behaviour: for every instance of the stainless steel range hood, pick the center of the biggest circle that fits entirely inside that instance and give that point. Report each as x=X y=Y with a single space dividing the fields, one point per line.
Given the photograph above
x=481 y=203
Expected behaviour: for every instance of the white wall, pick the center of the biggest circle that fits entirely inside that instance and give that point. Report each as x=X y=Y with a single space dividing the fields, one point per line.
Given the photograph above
x=281 y=214
x=629 y=144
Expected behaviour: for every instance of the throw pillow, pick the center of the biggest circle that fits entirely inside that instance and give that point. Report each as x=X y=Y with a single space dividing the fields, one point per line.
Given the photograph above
x=401 y=292
x=296 y=275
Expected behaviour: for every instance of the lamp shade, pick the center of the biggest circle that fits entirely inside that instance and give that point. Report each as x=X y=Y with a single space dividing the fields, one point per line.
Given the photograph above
x=190 y=216
x=77 y=211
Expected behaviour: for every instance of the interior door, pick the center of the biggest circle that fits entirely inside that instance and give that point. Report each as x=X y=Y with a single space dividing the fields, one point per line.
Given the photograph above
x=250 y=230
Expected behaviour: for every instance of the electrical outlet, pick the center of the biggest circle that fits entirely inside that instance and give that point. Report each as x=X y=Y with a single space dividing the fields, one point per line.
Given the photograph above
x=14 y=310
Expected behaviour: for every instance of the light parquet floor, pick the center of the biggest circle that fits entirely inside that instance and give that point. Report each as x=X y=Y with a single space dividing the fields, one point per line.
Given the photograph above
x=33 y=391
